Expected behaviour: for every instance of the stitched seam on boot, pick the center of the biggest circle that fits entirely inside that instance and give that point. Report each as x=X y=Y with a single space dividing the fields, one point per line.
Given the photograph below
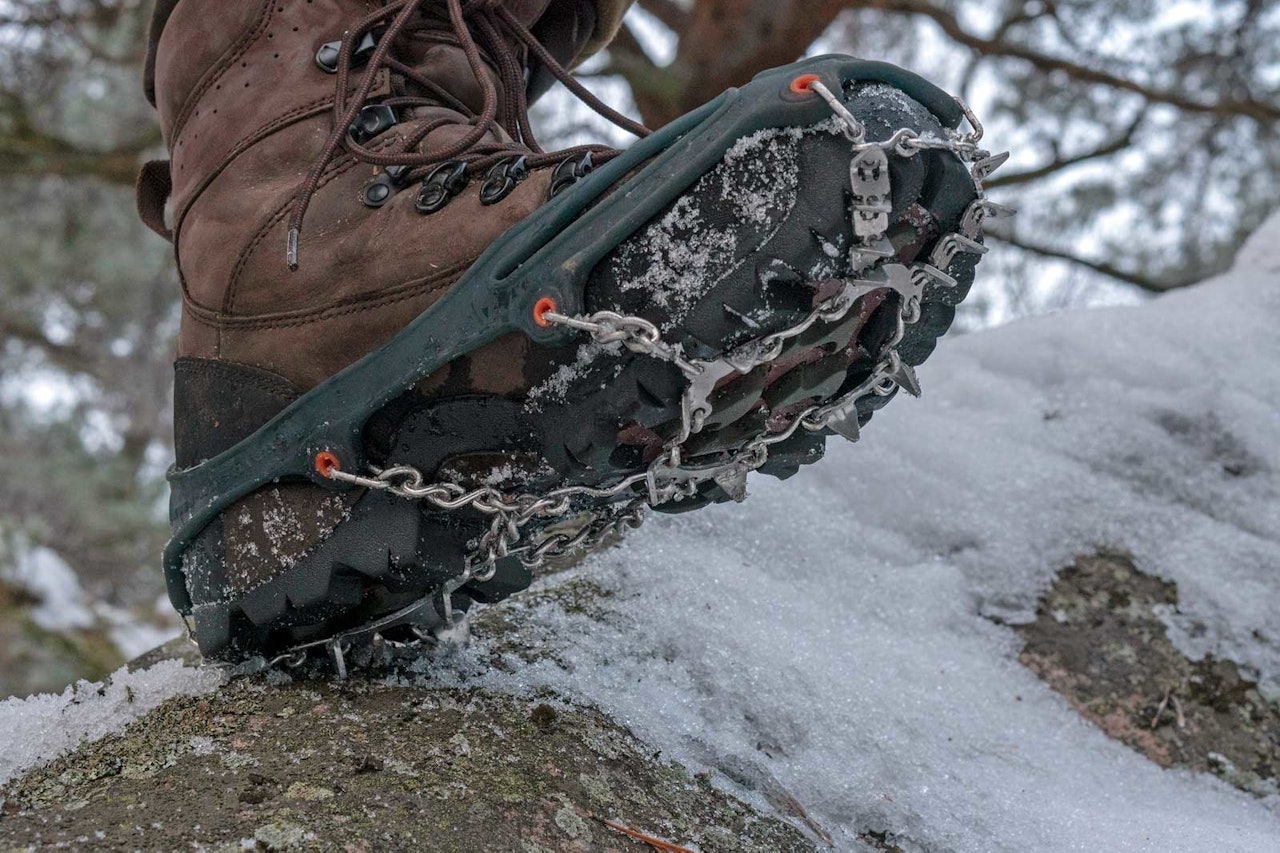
x=281 y=388
x=339 y=168
x=247 y=142
x=409 y=290
x=214 y=74
x=419 y=289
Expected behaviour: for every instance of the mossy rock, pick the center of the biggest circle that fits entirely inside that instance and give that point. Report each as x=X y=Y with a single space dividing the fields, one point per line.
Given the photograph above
x=366 y=766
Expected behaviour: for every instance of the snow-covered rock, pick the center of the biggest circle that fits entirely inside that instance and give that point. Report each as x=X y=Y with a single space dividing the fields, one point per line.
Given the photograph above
x=830 y=636
x=40 y=728
x=830 y=642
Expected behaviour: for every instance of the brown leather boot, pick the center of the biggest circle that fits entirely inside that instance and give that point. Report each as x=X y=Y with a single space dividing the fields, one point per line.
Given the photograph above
x=359 y=457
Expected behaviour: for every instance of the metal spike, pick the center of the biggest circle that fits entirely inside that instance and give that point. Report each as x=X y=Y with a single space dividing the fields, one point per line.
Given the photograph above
x=734 y=482
x=905 y=378
x=841 y=416
x=878 y=247
x=846 y=425
x=864 y=255
x=339 y=657
x=996 y=210
x=695 y=405
x=984 y=168
x=937 y=275
x=979 y=212
x=896 y=277
x=951 y=245
x=973 y=247
x=443 y=604
x=457 y=631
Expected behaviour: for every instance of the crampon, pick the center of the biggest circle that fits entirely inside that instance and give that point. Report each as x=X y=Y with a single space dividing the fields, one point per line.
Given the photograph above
x=722 y=297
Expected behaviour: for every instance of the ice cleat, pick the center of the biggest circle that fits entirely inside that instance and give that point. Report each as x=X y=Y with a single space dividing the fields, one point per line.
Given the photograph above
x=656 y=326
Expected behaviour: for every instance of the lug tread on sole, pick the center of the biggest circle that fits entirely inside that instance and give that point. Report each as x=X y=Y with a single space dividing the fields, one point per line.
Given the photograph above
x=379 y=554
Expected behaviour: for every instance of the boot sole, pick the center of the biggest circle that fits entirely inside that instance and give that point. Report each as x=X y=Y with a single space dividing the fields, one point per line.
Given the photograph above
x=605 y=419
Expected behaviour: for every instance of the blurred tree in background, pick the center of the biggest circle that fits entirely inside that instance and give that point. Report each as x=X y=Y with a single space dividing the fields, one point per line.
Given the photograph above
x=1146 y=135
x=87 y=318
x=1145 y=149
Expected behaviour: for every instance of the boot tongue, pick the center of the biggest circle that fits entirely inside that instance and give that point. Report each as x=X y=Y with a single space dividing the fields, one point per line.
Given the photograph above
x=431 y=48
x=527 y=12
x=446 y=65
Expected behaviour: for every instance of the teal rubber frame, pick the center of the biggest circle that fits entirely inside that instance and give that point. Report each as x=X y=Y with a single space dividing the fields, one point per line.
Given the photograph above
x=550 y=254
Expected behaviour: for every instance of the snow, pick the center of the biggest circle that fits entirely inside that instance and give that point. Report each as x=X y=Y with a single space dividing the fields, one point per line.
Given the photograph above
x=829 y=638
x=41 y=728
x=672 y=262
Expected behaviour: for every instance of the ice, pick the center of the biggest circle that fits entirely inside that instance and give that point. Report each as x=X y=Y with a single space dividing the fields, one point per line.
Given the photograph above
x=830 y=639
x=40 y=728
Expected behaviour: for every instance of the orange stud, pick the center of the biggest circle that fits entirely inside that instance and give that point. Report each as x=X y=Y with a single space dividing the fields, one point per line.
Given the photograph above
x=544 y=306
x=803 y=84
x=327 y=463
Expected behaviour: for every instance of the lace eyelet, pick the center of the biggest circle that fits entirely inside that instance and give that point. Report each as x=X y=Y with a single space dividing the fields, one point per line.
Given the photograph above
x=439 y=187
x=502 y=179
x=327 y=55
x=373 y=121
x=383 y=188
x=569 y=172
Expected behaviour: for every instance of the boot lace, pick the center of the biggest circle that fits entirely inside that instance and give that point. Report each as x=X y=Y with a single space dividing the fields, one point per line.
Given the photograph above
x=482 y=28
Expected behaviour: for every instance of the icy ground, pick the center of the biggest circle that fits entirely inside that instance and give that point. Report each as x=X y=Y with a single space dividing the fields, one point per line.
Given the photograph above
x=829 y=640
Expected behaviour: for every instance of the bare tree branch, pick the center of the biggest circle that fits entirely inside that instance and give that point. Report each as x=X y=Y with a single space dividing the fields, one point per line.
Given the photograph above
x=1152 y=285
x=992 y=46
x=69 y=357
x=1059 y=163
x=41 y=154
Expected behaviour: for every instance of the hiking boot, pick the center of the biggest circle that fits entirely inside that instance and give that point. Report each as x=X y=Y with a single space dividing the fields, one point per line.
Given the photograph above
x=420 y=356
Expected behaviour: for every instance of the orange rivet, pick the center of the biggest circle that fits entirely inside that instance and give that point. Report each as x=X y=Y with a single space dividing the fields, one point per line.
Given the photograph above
x=544 y=306
x=803 y=84
x=327 y=463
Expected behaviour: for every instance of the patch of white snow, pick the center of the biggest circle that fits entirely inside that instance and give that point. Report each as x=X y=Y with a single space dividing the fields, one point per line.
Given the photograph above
x=830 y=637
x=36 y=730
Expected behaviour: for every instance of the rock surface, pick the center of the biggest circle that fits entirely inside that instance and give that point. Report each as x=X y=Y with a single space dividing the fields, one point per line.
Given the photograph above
x=848 y=652
x=274 y=763
x=1099 y=640
x=370 y=767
